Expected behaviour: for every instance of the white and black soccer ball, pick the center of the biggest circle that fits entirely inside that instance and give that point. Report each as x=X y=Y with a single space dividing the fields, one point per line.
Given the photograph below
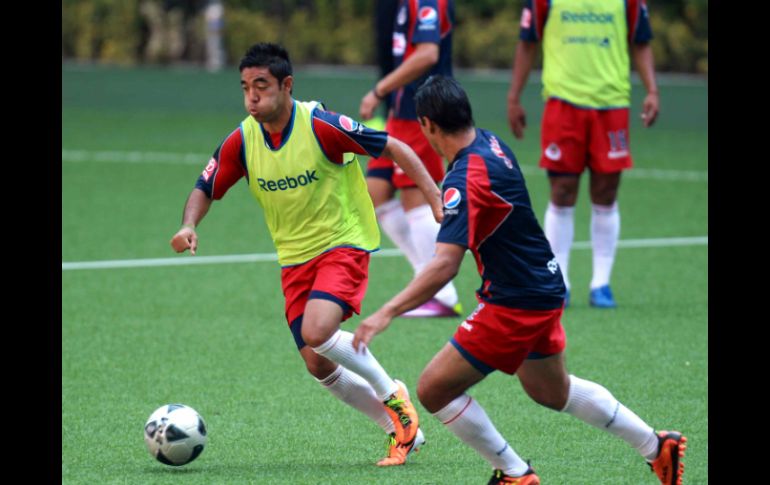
x=175 y=434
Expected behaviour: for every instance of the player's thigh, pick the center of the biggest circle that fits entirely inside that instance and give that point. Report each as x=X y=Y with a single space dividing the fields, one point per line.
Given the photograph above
x=604 y=187
x=545 y=380
x=447 y=376
x=380 y=189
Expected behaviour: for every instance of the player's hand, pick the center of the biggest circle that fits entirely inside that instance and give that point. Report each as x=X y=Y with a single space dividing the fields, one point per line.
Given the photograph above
x=369 y=327
x=368 y=104
x=650 y=108
x=185 y=239
x=517 y=118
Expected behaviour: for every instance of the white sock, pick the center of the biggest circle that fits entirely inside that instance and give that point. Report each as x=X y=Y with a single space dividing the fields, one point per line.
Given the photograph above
x=339 y=349
x=467 y=420
x=393 y=222
x=592 y=403
x=353 y=390
x=605 y=231
x=424 y=229
x=559 y=228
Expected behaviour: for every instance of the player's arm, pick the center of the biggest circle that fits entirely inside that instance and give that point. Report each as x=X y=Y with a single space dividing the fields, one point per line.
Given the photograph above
x=522 y=65
x=410 y=163
x=645 y=66
x=439 y=271
x=424 y=57
x=195 y=210
x=224 y=169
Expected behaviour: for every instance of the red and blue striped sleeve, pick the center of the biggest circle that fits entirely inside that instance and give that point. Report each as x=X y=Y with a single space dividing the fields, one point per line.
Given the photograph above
x=338 y=134
x=639 y=30
x=533 y=18
x=226 y=167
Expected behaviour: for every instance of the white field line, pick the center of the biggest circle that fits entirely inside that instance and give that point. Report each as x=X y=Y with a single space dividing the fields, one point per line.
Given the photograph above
x=201 y=160
x=187 y=260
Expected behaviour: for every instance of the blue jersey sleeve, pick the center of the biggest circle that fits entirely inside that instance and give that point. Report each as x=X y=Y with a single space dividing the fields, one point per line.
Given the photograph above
x=338 y=134
x=426 y=25
x=454 y=227
x=643 y=33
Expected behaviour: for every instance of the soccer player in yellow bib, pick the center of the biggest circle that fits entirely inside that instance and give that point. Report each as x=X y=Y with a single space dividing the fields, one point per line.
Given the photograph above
x=299 y=162
x=587 y=88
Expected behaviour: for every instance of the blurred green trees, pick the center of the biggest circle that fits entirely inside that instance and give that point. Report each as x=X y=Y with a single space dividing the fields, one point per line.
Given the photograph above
x=338 y=31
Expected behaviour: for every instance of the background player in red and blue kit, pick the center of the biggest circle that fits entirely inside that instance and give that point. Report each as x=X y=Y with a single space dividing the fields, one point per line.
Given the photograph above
x=586 y=85
x=516 y=327
x=422 y=45
x=298 y=163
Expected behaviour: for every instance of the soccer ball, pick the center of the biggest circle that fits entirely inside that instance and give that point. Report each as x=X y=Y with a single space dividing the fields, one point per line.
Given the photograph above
x=175 y=434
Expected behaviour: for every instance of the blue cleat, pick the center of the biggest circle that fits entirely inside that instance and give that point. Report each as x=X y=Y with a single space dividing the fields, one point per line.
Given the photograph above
x=602 y=297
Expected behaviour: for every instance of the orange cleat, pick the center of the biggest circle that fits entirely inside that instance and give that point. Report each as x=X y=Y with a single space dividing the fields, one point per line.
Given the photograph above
x=398 y=452
x=500 y=478
x=668 y=465
x=403 y=414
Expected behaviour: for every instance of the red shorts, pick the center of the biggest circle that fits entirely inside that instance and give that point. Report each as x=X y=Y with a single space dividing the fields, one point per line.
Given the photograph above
x=408 y=131
x=573 y=138
x=339 y=275
x=498 y=337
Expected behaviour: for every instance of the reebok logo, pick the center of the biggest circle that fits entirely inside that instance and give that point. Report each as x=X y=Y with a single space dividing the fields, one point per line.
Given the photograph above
x=587 y=17
x=287 y=183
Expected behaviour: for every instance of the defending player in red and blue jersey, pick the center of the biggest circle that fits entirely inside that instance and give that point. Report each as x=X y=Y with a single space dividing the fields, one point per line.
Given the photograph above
x=299 y=162
x=422 y=46
x=516 y=327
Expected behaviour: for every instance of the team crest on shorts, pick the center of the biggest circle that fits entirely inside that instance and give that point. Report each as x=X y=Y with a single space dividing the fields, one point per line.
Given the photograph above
x=553 y=152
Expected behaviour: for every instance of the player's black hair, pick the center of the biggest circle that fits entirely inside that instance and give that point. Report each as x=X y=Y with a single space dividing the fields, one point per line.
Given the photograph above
x=272 y=56
x=443 y=101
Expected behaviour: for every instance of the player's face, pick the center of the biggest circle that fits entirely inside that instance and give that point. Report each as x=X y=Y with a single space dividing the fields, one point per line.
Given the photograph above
x=263 y=96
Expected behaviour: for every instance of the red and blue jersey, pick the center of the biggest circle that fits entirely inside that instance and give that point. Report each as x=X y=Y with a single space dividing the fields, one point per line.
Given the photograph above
x=419 y=21
x=336 y=134
x=535 y=15
x=487 y=210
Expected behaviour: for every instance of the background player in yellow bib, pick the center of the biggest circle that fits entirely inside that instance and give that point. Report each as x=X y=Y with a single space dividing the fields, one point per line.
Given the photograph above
x=587 y=90
x=299 y=162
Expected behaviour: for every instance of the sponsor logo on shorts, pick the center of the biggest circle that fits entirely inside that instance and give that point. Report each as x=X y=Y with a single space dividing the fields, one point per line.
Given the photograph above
x=467 y=326
x=210 y=169
x=553 y=152
x=475 y=312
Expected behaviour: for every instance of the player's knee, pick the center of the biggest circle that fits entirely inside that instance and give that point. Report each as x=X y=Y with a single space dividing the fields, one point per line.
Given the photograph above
x=312 y=336
x=552 y=397
x=320 y=368
x=427 y=395
x=564 y=194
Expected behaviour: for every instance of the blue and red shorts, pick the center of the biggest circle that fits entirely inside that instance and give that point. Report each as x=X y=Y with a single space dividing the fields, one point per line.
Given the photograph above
x=339 y=275
x=573 y=138
x=498 y=337
x=408 y=131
